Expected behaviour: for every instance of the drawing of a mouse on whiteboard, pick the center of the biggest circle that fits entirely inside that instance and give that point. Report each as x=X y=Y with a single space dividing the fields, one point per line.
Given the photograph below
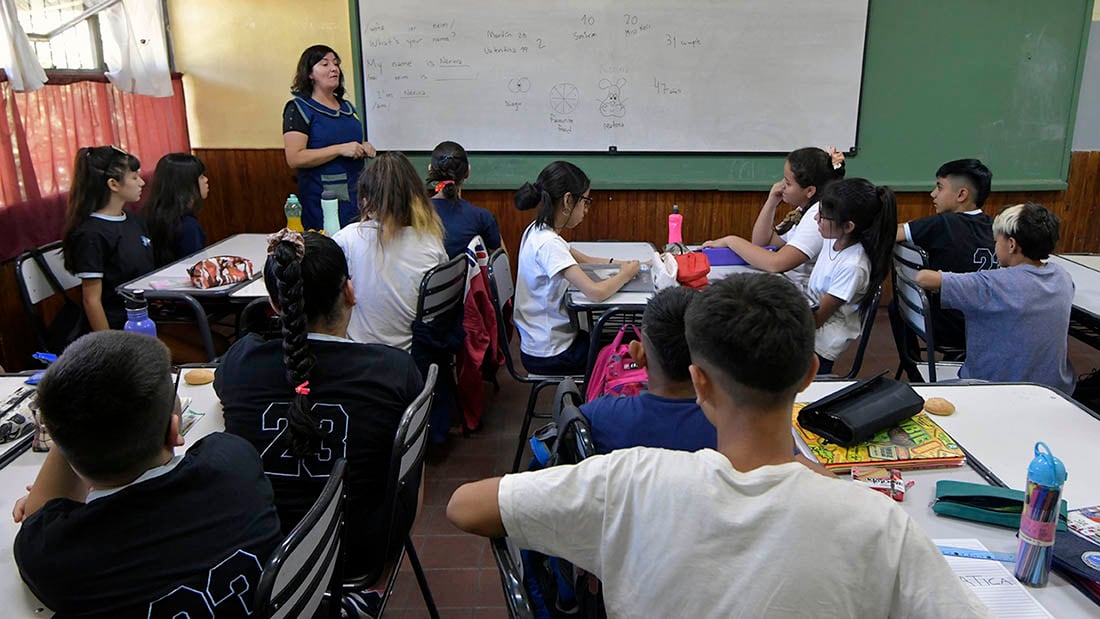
x=612 y=105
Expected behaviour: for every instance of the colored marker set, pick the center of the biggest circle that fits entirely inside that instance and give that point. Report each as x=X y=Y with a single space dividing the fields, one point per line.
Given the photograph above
x=1045 y=477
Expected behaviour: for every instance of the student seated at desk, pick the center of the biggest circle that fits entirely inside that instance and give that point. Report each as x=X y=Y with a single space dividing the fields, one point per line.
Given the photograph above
x=1017 y=316
x=462 y=221
x=179 y=187
x=398 y=239
x=117 y=525
x=957 y=238
x=806 y=174
x=276 y=394
x=644 y=521
x=549 y=341
x=857 y=221
x=666 y=415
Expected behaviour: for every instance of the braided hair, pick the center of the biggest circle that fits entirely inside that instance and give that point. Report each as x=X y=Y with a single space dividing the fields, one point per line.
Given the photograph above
x=307 y=283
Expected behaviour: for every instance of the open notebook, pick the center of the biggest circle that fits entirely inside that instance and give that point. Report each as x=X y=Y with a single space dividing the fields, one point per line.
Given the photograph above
x=598 y=271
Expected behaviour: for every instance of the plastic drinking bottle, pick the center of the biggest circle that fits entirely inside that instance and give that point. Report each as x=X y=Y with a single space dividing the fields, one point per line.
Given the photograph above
x=675 y=226
x=293 y=211
x=330 y=207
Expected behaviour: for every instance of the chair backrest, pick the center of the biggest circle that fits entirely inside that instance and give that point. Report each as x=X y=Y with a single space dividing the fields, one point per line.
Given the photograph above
x=501 y=290
x=865 y=332
x=511 y=578
x=574 y=433
x=307 y=563
x=35 y=282
x=913 y=304
x=442 y=288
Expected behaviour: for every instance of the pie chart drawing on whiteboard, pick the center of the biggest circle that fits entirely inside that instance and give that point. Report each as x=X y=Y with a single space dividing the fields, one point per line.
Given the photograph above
x=564 y=98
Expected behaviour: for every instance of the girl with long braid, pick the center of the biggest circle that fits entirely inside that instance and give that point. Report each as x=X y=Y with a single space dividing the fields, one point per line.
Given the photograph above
x=315 y=396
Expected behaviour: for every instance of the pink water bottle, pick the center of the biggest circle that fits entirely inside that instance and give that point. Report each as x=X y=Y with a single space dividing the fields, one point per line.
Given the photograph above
x=675 y=226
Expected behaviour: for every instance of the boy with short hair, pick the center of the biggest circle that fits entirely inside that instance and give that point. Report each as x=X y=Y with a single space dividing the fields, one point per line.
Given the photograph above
x=666 y=415
x=957 y=238
x=117 y=525
x=1017 y=317
x=716 y=533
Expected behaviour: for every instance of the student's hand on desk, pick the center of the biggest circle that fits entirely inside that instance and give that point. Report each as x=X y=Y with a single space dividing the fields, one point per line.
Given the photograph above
x=20 y=508
x=631 y=268
x=722 y=242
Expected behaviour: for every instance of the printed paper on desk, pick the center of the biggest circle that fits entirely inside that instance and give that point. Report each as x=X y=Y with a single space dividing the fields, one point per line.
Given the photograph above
x=993 y=583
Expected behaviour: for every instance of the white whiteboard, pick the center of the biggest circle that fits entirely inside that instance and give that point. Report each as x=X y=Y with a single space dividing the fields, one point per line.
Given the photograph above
x=637 y=75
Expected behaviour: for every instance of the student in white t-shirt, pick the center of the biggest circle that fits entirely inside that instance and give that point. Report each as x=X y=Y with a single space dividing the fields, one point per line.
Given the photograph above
x=728 y=532
x=549 y=342
x=806 y=174
x=398 y=239
x=857 y=219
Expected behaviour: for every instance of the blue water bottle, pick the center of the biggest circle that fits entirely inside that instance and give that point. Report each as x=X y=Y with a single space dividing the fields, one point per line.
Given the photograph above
x=1039 y=520
x=137 y=314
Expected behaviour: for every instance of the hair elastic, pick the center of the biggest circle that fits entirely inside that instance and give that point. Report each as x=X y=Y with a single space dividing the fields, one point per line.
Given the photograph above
x=294 y=238
x=441 y=184
x=302 y=389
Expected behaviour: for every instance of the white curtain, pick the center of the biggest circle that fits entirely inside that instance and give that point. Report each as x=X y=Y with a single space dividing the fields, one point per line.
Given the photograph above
x=134 y=47
x=17 y=55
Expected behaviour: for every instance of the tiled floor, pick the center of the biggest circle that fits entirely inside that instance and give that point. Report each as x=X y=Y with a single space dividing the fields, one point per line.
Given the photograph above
x=459 y=567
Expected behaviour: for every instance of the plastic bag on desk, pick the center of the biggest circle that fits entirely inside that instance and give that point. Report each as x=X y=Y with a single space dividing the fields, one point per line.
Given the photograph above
x=664 y=271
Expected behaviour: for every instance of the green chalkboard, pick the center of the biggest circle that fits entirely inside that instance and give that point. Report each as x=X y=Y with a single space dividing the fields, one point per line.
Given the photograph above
x=943 y=79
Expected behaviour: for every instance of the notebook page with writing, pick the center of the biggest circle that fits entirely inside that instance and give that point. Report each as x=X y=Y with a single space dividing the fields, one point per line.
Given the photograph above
x=993 y=583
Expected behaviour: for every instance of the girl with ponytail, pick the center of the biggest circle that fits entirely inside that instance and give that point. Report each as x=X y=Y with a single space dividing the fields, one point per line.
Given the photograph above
x=314 y=395
x=104 y=245
x=858 y=221
x=462 y=221
x=549 y=343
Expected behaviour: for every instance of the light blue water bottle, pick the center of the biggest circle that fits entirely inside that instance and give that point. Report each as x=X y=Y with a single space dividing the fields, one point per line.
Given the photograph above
x=330 y=207
x=1039 y=520
x=137 y=314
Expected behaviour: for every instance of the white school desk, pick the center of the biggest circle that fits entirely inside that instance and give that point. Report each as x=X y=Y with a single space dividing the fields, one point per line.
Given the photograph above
x=18 y=602
x=1085 y=271
x=251 y=246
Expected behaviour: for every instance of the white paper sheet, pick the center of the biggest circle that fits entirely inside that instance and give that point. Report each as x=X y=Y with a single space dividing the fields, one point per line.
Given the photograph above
x=993 y=583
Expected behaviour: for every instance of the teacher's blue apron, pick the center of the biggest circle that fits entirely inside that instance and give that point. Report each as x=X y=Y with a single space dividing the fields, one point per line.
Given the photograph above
x=327 y=127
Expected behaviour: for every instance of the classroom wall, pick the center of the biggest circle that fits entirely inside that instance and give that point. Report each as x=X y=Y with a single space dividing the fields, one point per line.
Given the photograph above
x=238 y=58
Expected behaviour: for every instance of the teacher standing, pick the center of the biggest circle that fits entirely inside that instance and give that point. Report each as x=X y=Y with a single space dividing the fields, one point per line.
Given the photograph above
x=323 y=137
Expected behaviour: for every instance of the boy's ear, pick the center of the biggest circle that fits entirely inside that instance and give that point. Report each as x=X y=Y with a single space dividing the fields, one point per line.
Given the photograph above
x=349 y=292
x=704 y=386
x=174 y=438
x=637 y=353
x=811 y=373
x=963 y=195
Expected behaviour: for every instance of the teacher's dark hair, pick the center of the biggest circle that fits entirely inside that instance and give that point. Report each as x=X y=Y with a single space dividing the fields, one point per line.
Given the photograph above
x=302 y=84
x=555 y=180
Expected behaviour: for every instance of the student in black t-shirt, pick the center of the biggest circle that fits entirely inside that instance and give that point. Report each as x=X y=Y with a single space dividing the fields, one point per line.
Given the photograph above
x=179 y=187
x=958 y=238
x=104 y=245
x=316 y=396
x=117 y=525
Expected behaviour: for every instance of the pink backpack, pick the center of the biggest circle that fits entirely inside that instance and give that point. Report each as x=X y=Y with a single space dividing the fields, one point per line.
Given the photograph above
x=615 y=373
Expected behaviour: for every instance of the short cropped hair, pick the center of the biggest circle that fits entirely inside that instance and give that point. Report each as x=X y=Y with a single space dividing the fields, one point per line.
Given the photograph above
x=756 y=332
x=663 y=331
x=1033 y=226
x=107 y=403
x=973 y=172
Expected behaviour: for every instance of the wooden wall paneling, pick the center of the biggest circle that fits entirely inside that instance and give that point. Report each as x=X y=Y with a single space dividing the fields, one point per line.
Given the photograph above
x=248 y=188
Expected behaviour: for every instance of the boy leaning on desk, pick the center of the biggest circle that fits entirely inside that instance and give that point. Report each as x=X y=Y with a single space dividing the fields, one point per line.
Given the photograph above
x=116 y=525
x=743 y=530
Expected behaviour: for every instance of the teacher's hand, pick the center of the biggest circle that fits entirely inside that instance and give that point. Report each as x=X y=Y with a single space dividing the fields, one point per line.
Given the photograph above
x=369 y=149
x=352 y=149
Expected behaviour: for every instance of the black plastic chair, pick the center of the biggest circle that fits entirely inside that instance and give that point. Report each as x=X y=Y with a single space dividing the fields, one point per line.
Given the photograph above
x=41 y=274
x=406 y=469
x=308 y=562
x=915 y=309
x=503 y=290
x=865 y=333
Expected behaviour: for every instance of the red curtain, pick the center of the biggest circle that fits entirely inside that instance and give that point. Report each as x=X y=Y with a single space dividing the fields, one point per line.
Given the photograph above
x=41 y=131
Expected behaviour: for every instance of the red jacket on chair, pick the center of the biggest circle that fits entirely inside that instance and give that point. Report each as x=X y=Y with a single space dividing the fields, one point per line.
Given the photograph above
x=482 y=348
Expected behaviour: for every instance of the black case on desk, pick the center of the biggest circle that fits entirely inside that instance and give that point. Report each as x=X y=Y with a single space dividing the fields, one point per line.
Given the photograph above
x=861 y=410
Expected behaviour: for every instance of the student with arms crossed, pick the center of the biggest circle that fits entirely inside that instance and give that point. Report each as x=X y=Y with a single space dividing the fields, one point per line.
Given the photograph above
x=806 y=174
x=315 y=395
x=547 y=265
x=1017 y=316
x=643 y=520
x=957 y=238
x=117 y=525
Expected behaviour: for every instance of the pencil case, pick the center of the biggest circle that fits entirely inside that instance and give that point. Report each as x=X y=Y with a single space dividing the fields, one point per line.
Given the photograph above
x=984 y=503
x=859 y=411
x=724 y=256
